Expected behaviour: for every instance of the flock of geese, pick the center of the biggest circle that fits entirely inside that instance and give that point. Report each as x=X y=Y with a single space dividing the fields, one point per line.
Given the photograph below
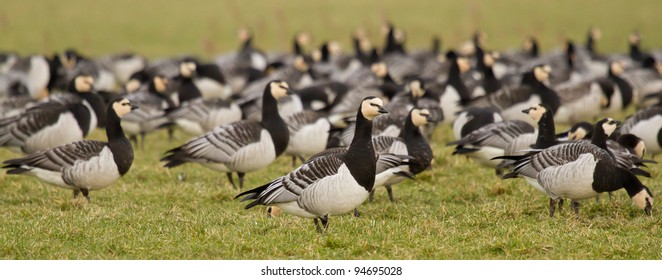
x=354 y=120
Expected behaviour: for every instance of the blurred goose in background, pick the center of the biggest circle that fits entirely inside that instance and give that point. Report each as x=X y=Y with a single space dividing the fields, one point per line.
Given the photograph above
x=84 y=165
x=473 y=118
x=63 y=119
x=242 y=146
x=647 y=125
x=327 y=185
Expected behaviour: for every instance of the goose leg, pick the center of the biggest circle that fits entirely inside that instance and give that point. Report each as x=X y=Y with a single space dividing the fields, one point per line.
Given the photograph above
x=389 y=190
x=134 y=139
x=241 y=179
x=575 y=207
x=86 y=194
x=560 y=204
x=317 y=225
x=356 y=213
x=552 y=206
x=76 y=193
x=371 y=195
x=294 y=161
x=142 y=141
x=609 y=193
x=229 y=174
x=597 y=198
x=325 y=221
x=171 y=133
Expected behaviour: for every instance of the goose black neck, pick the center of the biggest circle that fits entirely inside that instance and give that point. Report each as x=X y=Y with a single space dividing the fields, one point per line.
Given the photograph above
x=98 y=106
x=456 y=82
x=624 y=87
x=360 y=156
x=630 y=182
x=599 y=137
x=480 y=59
x=490 y=82
x=188 y=90
x=119 y=145
x=114 y=130
x=273 y=122
x=635 y=53
x=590 y=44
x=546 y=131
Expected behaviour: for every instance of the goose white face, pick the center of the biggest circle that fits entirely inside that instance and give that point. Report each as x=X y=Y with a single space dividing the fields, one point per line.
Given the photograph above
x=528 y=45
x=279 y=89
x=132 y=85
x=488 y=60
x=658 y=67
x=616 y=68
x=243 y=34
x=69 y=63
x=84 y=83
x=417 y=90
x=640 y=149
x=371 y=108
x=379 y=69
x=542 y=72
x=536 y=112
x=643 y=200
x=160 y=84
x=122 y=107
x=187 y=69
x=334 y=48
x=610 y=126
x=464 y=65
x=316 y=55
x=596 y=33
x=304 y=38
x=578 y=134
x=634 y=38
x=300 y=64
x=419 y=117
x=365 y=44
x=399 y=35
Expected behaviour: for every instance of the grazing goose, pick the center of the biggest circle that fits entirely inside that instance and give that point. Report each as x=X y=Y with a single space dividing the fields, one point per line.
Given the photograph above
x=198 y=116
x=647 y=125
x=84 y=165
x=327 y=185
x=581 y=170
x=242 y=146
x=61 y=120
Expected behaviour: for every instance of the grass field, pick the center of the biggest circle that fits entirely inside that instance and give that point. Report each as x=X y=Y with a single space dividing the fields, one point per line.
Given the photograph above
x=458 y=210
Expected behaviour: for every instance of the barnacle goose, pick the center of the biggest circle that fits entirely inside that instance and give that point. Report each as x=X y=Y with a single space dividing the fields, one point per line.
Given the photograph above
x=309 y=134
x=242 y=146
x=61 y=120
x=153 y=103
x=198 y=116
x=409 y=143
x=647 y=125
x=327 y=185
x=84 y=165
x=581 y=170
x=453 y=94
x=473 y=118
x=490 y=140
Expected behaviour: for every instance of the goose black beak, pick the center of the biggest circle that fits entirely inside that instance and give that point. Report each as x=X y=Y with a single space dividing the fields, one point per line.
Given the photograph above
x=382 y=110
x=133 y=107
x=430 y=119
x=526 y=111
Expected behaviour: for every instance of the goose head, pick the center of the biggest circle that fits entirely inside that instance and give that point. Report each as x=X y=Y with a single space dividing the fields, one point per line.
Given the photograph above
x=420 y=117
x=279 y=89
x=536 y=112
x=83 y=83
x=123 y=106
x=644 y=200
x=371 y=107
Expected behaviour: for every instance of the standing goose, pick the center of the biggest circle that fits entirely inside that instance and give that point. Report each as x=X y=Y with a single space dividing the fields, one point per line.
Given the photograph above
x=409 y=143
x=473 y=118
x=84 y=165
x=242 y=146
x=61 y=120
x=581 y=170
x=327 y=185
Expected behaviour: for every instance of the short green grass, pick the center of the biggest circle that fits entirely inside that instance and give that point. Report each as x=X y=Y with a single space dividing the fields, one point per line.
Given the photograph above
x=458 y=210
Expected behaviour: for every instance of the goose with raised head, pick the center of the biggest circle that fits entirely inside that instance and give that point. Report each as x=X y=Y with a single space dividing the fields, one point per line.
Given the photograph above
x=242 y=146
x=327 y=185
x=84 y=165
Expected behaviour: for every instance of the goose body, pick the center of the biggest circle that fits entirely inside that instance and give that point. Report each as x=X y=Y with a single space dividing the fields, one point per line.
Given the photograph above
x=84 y=165
x=330 y=184
x=242 y=146
x=647 y=125
x=581 y=170
x=60 y=120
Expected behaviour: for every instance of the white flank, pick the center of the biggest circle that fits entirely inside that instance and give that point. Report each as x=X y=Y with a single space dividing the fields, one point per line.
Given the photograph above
x=334 y=195
x=98 y=172
x=310 y=139
x=647 y=130
x=572 y=180
x=450 y=103
x=64 y=131
x=254 y=156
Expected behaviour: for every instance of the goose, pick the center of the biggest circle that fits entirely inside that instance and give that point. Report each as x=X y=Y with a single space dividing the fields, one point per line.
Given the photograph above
x=581 y=170
x=473 y=118
x=198 y=116
x=84 y=165
x=453 y=94
x=61 y=120
x=647 y=125
x=242 y=146
x=490 y=141
x=309 y=134
x=151 y=116
x=327 y=185
x=591 y=98
x=511 y=101
x=411 y=142
x=33 y=72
